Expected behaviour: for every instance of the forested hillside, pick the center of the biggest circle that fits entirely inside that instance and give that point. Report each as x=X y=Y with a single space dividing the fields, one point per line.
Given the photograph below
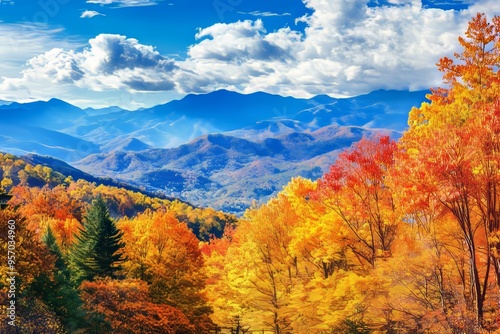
x=397 y=237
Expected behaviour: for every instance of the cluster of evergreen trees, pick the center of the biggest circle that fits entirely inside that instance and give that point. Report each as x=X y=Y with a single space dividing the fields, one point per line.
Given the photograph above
x=97 y=253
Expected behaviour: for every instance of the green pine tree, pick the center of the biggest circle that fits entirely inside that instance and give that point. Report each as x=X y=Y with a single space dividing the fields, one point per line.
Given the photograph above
x=97 y=251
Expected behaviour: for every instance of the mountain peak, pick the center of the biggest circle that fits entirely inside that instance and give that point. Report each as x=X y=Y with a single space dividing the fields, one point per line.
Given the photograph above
x=58 y=101
x=136 y=145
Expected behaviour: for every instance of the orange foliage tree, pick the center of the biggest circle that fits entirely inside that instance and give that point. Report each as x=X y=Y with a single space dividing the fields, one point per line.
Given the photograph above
x=127 y=307
x=32 y=260
x=453 y=144
x=356 y=189
x=166 y=254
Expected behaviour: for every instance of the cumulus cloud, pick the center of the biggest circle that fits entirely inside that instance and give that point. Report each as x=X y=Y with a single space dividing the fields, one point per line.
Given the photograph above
x=347 y=48
x=88 y=14
x=235 y=42
x=235 y=55
x=109 y=62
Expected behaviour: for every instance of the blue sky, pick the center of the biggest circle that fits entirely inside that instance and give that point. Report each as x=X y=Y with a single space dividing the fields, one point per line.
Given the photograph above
x=137 y=53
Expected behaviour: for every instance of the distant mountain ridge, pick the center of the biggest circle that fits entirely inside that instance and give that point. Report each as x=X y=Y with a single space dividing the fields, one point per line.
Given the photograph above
x=227 y=172
x=221 y=149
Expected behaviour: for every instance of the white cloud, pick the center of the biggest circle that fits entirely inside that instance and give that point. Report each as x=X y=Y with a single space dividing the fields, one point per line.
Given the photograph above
x=235 y=42
x=21 y=42
x=347 y=48
x=110 y=62
x=125 y=3
x=88 y=14
x=234 y=56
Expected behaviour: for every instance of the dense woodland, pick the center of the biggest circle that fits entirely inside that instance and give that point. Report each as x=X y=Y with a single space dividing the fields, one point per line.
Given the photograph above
x=398 y=237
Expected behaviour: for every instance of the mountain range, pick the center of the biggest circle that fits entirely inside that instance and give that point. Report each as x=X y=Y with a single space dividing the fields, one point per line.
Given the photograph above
x=221 y=149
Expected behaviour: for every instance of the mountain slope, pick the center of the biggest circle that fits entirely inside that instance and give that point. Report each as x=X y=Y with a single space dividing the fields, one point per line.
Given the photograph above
x=68 y=170
x=53 y=114
x=253 y=116
x=26 y=138
x=222 y=148
x=227 y=172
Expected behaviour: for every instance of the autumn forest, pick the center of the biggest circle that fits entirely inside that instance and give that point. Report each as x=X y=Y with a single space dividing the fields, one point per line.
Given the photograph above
x=397 y=237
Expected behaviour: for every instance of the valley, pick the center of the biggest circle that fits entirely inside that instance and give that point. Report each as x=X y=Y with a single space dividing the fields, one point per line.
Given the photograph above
x=221 y=149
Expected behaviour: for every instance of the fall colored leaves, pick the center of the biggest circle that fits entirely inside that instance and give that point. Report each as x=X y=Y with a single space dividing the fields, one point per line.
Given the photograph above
x=81 y=270
x=396 y=237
